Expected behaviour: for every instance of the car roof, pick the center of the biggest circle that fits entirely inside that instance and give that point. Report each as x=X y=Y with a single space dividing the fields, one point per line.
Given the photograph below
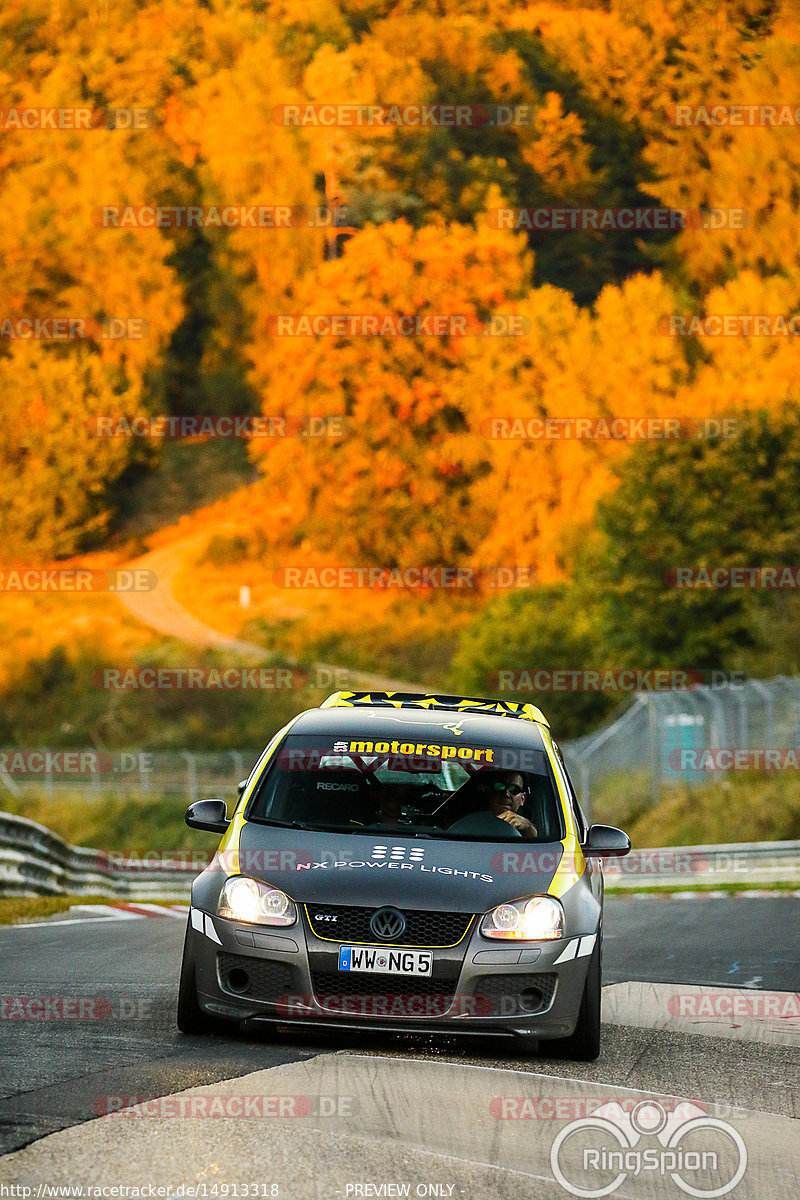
x=415 y=715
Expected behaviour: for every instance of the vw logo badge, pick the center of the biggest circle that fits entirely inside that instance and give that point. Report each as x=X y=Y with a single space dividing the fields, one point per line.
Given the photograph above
x=388 y=924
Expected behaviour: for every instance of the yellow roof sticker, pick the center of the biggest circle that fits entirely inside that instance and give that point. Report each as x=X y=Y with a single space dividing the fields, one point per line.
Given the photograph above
x=475 y=704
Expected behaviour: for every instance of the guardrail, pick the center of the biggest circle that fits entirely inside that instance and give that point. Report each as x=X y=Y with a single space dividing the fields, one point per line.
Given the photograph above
x=34 y=861
x=681 y=866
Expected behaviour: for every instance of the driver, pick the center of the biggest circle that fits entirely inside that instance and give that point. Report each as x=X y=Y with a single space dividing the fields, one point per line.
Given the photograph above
x=506 y=799
x=391 y=801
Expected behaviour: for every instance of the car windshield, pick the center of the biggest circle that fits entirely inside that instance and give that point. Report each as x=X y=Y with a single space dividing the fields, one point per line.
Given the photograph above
x=470 y=792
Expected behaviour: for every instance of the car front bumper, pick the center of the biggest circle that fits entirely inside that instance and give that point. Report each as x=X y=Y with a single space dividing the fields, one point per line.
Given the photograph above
x=291 y=977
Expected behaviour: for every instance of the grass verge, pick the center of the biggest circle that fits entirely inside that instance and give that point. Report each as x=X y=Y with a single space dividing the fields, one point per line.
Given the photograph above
x=744 y=806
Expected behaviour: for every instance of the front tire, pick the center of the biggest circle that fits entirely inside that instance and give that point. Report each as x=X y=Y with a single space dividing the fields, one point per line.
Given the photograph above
x=584 y=1044
x=190 y=1016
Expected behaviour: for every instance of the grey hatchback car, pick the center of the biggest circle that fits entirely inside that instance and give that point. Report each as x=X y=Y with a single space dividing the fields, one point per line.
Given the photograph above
x=403 y=862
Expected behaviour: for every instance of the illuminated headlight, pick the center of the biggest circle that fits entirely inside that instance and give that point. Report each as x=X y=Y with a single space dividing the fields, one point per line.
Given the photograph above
x=245 y=899
x=540 y=919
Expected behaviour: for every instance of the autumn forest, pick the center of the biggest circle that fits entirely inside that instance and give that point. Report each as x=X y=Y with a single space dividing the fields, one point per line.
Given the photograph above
x=484 y=284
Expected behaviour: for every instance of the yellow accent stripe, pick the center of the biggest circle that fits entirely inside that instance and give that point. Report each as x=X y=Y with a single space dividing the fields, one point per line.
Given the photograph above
x=393 y=945
x=572 y=866
x=230 y=839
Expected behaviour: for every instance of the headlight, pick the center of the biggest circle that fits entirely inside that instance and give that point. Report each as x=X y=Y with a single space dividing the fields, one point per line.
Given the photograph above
x=540 y=919
x=245 y=899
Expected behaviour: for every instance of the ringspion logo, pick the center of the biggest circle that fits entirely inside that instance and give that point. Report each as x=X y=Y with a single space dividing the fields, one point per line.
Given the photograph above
x=595 y=1155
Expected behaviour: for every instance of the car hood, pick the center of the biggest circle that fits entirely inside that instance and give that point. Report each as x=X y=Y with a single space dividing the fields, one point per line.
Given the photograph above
x=453 y=876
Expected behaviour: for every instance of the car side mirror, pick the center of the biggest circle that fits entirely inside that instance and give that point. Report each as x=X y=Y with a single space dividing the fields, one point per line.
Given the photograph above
x=208 y=814
x=606 y=841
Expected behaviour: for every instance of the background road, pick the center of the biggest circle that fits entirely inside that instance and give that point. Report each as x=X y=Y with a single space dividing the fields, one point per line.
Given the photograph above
x=56 y=1072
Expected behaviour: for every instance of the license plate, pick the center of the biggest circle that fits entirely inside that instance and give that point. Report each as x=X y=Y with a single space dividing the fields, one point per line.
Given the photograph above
x=385 y=962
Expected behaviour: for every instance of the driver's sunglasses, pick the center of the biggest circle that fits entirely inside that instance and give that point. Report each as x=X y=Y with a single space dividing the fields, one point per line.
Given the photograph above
x=512 y=789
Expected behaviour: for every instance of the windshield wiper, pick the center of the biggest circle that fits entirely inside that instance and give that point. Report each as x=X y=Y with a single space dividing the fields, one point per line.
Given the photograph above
x=281 y=824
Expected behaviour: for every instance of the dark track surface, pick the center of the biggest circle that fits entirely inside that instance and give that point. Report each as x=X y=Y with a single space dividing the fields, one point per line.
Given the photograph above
x=55 y=1071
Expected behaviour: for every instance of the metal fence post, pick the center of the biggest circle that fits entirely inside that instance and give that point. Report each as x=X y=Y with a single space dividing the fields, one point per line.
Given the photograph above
x=655 y=766
x=769 y=707
x=586 y=796
x=191 y=772
x=238 y=765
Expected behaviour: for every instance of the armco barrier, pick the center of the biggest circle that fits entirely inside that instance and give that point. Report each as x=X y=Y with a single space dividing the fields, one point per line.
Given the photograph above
x=34 y=861
x=752 y=863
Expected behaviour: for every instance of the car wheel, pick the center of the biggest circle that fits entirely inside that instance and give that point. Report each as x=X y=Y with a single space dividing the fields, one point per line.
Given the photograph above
x=584 y=1044
x=190 y=1016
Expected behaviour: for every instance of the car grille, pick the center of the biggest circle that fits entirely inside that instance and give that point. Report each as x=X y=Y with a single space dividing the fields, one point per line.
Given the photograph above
x=352 y=994
x=422 y=928
x=513 y=995
x=255 y=978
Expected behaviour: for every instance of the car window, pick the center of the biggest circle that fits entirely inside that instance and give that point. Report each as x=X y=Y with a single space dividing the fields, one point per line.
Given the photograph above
x=577 y=811
x=358 y=785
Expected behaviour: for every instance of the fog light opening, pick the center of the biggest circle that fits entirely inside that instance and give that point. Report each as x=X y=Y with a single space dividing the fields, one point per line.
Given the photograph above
x=238 y=980
x=530 y=999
